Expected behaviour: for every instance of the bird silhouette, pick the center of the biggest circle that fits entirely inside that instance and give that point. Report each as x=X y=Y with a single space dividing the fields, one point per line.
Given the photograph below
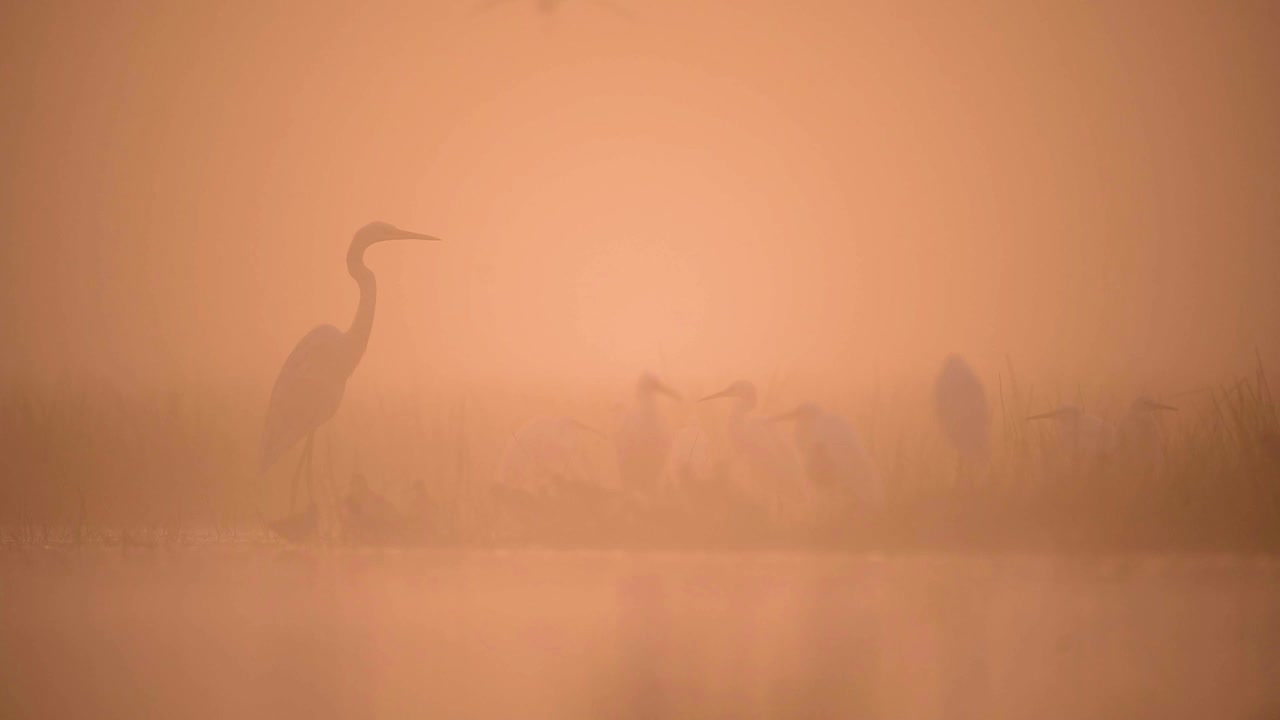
x=309 y=388
x=642 y=443
x=960 y=405
x=1091 y=443
x=1084 y=440
x=544 y=457
x=1140 y=436
x=772 y=469
x=836 y=462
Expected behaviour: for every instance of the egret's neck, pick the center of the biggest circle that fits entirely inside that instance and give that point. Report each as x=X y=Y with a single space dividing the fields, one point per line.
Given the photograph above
x=362 y=324
x=738 y=433
x=738 y=416
x=647 y=403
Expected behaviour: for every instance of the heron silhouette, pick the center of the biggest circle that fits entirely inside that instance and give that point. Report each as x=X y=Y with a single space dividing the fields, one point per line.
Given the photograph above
x=642 y=442
x=960 y=405
x=309 y=388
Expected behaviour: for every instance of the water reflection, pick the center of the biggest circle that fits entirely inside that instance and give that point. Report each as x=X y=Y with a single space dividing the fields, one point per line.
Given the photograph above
x=224 y=633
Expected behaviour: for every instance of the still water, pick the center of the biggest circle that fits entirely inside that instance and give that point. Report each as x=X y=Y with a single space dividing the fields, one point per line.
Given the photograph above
x=224 y=631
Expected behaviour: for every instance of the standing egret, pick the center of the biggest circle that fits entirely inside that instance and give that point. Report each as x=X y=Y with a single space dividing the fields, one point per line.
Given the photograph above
x=689 y=462
x=545 y=456
x=1140 y=436
x=835 y=461
x=771 y=466
x=643 y=442
x=960 y=402
x=309 y=388
x=1087 y=439
x=543 y=482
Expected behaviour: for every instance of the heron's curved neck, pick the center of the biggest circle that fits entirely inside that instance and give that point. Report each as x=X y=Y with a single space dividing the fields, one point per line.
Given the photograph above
x=362 y=323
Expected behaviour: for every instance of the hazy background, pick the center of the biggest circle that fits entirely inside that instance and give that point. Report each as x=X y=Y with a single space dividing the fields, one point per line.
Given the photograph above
x=712 y=189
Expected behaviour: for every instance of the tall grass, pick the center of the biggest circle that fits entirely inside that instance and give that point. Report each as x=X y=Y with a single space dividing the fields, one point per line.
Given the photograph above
x=99 y=460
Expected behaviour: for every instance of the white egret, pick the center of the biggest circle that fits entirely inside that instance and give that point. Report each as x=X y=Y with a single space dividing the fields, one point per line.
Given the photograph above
x=1136 y=443
x=960 y=403
x=689 y=461
x=772 y=467
x=544 y=456
x=642 y=442
x=835 y=460
x=1086 y=438
x=309 y=388
x=1140 y=435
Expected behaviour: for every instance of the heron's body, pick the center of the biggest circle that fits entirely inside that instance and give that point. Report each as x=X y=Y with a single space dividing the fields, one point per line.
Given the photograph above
x=307 y=393
x=309 y=388
x=643 y=443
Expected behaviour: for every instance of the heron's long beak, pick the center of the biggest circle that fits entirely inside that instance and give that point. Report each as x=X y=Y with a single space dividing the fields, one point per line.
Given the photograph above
x=727 y=392
x=1045 y=416
x=407 y=235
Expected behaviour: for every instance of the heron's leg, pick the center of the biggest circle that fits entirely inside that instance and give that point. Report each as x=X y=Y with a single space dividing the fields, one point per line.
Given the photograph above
x=293 y=487
x=309 y=452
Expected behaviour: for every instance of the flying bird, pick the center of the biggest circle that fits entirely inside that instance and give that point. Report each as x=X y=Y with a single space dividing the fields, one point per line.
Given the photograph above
x=642 y=442
x=309 y=387
x=772 y=467
x=835 y=460
x=960 y=404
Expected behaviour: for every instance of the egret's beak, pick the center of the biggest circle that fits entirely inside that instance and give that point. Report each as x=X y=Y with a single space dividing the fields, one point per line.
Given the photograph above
x=727 y=392
x=588 y=428
x=406 y=235
x=666 y=390
x=1045 y=416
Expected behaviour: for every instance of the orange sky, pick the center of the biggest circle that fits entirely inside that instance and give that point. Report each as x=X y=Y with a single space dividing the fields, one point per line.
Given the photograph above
x=710 y=188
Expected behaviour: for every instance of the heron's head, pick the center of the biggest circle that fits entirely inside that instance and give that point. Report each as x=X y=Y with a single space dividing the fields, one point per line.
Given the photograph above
x=376 y=232
x=649 y=385
x=742 y=391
